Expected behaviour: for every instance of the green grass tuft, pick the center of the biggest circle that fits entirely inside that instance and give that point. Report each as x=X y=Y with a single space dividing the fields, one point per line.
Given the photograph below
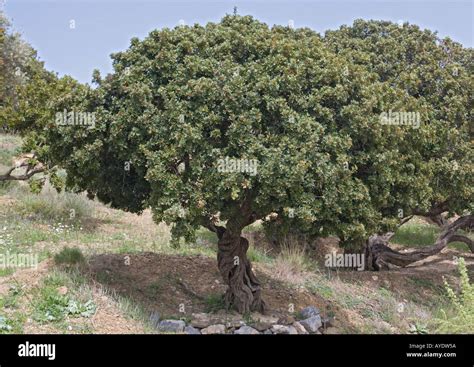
x=69 y=256
x=420 y=235
x=214 y=303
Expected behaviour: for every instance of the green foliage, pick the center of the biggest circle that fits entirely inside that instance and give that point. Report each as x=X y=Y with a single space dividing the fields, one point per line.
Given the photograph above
x=418 y=235
x=459 y=318
x=403 y=168
x=4 y=324
x=69 y=256
x=214 y=303
x=418 y=328
x=51 y=306
x=54 y=307
x=27 y=90
x=10 y=300
x=433 y=164
x=4 y=272
x=28 y=94
x=258 y=255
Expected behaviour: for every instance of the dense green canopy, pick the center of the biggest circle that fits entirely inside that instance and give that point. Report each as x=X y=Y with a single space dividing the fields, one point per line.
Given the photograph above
x=424 y=168
x=438 y=156
x=191 y=96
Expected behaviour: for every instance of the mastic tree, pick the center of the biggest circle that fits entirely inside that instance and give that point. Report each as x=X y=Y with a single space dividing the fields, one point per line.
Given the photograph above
x=438 y=176
x=220 y=126
x=424 y=169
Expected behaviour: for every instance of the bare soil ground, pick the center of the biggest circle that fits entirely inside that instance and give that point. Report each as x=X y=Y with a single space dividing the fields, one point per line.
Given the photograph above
x=162 y=283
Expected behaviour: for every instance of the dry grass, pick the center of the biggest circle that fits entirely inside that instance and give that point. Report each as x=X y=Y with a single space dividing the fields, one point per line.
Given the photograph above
x=291 y=264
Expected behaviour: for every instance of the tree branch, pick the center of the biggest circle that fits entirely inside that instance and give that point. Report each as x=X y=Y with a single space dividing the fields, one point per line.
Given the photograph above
x=31 y=170
x=379 y=255
x=435 y=210
x=210 y=225
x=464 y=239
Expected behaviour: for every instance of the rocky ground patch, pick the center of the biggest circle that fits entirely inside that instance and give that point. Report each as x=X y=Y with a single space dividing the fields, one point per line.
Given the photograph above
x=307 y=321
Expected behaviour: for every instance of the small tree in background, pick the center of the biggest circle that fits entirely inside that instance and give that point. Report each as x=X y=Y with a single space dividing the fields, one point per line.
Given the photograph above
x=28 y=93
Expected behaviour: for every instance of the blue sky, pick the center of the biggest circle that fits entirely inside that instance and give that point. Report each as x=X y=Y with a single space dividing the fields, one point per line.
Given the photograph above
x=106 y=26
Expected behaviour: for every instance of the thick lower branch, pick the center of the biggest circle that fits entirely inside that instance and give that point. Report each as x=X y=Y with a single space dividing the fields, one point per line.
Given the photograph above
x=31 y=169
x=464 y=239
x=26 y=176
x=379 y=255
x=435 y=210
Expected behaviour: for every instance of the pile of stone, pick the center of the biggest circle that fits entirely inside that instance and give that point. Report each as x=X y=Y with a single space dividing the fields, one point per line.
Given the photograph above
x=308 y=321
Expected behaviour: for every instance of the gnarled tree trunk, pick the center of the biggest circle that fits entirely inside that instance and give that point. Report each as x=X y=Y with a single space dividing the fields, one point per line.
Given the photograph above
x=243 y=290
x=379 y=256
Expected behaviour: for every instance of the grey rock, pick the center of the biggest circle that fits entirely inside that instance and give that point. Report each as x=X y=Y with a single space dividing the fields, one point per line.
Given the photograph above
x=246 y=330
x=312 y=324
x=214 y=329
x=308 y=312
x=154 y=319
x=299 y=328
x=171 y=326
x=191 y=330
x=266 y=319
x=267 y=332
x=201 y=320
x=229 y=323
x=262 y=326
x=228 y=318
x=284 y=329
